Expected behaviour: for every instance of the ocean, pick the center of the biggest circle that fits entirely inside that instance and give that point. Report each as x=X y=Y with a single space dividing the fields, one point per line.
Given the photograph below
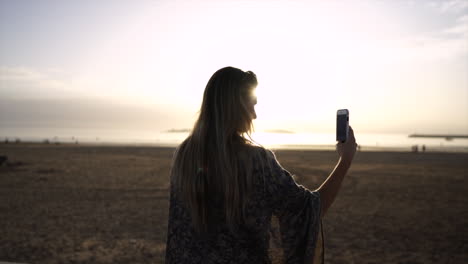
x=323 y=141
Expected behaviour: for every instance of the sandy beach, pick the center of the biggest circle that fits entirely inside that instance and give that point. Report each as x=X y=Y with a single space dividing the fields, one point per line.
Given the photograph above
x=104 y=204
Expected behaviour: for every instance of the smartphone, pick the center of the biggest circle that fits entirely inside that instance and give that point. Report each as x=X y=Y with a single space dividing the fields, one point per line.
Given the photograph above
x=342 y=125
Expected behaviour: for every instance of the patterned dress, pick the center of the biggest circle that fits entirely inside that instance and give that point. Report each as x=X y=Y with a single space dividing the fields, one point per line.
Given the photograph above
x=284 y=225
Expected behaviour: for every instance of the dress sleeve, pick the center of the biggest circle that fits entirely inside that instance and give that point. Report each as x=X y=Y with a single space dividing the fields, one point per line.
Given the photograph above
x=298 y=211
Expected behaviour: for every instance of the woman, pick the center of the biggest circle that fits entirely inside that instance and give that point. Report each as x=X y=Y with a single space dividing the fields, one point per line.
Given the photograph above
x=225 y=189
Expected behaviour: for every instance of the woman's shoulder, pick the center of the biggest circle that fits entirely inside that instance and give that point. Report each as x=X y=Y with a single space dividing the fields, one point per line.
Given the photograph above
x=266 y=153
x=258 y=150
x=262 y=157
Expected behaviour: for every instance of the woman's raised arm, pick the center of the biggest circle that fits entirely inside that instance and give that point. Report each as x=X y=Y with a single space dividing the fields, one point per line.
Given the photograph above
x=330 y=187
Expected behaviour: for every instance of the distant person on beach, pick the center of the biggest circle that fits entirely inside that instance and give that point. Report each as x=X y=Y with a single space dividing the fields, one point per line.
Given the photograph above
x=224 y=188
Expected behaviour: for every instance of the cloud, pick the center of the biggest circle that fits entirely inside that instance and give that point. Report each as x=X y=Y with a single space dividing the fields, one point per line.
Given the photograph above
x=447 y=43
x=32 y=98
x=25 y=82
x=84 y=113
x=459 y=29
x=454 y=6
x=451 y=6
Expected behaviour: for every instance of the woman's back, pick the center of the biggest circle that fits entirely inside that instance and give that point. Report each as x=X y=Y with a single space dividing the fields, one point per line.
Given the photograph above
x=274 y=193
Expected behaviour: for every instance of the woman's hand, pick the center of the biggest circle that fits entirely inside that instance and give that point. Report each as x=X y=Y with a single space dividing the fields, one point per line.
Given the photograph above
x=347 y=149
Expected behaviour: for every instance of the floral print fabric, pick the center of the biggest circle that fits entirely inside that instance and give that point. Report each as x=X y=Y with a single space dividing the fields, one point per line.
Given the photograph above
x=283 y=225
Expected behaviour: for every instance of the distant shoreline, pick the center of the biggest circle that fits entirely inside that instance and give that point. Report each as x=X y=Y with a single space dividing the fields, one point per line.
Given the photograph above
x=304 y=147
x=448 y=137
x=182 y=130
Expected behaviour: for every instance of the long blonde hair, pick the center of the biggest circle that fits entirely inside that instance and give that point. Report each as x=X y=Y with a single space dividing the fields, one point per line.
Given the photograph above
x=213 y=165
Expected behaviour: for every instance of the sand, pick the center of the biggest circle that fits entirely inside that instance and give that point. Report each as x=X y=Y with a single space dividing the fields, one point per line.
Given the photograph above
x=96 y=204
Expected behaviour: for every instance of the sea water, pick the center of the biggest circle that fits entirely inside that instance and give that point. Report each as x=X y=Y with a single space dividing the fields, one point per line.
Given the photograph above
x=325 y=141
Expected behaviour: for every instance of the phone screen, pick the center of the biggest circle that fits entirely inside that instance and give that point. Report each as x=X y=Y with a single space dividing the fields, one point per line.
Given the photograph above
x=341 y=127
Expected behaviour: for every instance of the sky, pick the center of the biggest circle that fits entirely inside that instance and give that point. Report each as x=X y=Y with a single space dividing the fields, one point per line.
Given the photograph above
x=398 y=66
